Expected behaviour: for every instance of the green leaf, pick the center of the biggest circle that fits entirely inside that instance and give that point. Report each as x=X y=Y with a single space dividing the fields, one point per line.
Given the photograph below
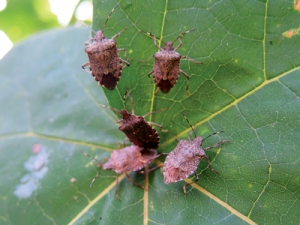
x=248 y=86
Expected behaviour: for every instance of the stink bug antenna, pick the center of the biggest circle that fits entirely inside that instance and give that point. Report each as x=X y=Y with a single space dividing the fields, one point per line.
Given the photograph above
x=112 y=109
x=213 y=134
x=183 y=33
x=131 y=100
x=88 y=27
x=189 y=123
x=124 y=97
x=109 y=16
x=152 y=35
x=99 y=164
x=87 y=155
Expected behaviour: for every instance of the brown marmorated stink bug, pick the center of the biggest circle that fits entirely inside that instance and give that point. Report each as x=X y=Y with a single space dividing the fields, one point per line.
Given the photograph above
x=131 y=158
x=166 y=68
x=184 y=159
x=104 y=60
x=137 y=129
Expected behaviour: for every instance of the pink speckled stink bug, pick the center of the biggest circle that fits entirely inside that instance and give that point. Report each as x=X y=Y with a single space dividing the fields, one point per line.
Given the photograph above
x=184 y=159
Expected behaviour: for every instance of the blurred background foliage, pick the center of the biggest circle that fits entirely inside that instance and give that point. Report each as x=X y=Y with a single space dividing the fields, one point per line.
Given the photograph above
x=21 y=18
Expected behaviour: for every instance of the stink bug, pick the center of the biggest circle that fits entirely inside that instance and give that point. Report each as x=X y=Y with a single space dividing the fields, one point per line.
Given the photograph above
x=105 y=64
x=137 y=129
x=184 y=159
x=131 y=158
x=166 y=68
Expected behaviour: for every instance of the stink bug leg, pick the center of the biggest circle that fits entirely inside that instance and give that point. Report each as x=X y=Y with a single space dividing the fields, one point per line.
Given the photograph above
x=135 y=183
x=185 y=57
x=125 y=53
x=99 y=164
x=179 y=38
x=184 y=159
x=127 y=159
x=136 y=128
x=84 y=65
x=117 y=187
x=132 y=110
x=166 y=68
x=131 y=100
x=122 y=49
x=155 y=43
x=131 y=158
x=105 y=64
x=196 y=179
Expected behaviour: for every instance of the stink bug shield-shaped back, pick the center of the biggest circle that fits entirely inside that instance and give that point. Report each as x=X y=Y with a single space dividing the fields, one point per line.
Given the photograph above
x=127 y=159
x=105 y=64
x=166 y=68
x=184 y=159
x=131 y=158
x=137 y=129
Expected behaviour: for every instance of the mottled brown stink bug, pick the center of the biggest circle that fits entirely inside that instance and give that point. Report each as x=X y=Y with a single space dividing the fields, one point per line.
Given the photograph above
x=104 y=60
x=137 y=129
x=184 y=159
x=166 y=68
x=127 y=159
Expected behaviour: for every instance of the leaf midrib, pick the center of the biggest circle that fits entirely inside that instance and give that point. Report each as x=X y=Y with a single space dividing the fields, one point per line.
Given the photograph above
x=146 y=196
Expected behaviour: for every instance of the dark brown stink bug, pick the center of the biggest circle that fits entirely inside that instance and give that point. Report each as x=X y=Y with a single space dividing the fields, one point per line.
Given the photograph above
x=184 y=159
x=127 y=159
x=166 y=68
x=104 y=60
x=137 y=129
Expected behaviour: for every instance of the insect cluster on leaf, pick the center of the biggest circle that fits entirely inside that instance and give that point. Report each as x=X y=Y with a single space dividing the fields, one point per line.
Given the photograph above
x=105 y=65
x=145 y=141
